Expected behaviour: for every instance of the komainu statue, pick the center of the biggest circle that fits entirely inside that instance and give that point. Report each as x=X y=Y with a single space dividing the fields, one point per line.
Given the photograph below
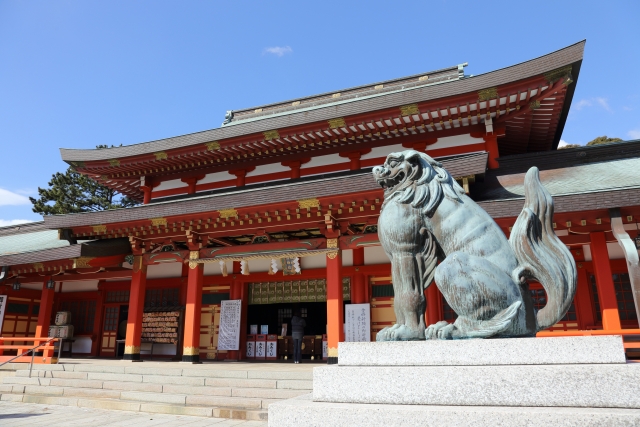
x=427 y=218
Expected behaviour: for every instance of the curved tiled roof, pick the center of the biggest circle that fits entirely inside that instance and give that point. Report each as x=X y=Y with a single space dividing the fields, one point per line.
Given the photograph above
x=570 y=55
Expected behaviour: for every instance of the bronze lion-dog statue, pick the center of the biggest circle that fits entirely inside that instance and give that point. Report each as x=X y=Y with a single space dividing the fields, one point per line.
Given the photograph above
x=433 y=232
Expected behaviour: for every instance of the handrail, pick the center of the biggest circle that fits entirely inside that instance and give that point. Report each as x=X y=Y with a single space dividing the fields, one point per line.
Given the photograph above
x=33 y=353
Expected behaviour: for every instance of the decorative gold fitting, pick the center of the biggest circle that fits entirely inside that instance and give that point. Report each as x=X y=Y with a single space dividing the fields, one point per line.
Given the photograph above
x=308 y=203
x=114 y=162
x=271 y=134
x=337 y=123
x=192 y=256
x=332 y=243
x=190 y=351
x=212 y=146
x=161 y=155
x=82 y=262
x=131 y=349
x=99 y=228
x=409 y=110
x=228 y=213
x=534 y=105
x=158 y=221
x=486 y=94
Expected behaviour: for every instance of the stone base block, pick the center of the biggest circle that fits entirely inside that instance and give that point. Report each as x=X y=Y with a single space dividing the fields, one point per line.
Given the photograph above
x=512 y=351
x=598 y=386
x=302 y=411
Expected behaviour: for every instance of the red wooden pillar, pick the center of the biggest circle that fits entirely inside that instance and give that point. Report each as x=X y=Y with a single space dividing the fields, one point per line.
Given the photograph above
x=434 y=314
x=191 y=342
x=136 y=305
x=235 y=293
x=357 y=289
x=335 y=311
x=97 y=322
x=147 y=194
x=584 y=309
x=491 y=145
x=44 y=315
x=604 y=282
x=244 y=296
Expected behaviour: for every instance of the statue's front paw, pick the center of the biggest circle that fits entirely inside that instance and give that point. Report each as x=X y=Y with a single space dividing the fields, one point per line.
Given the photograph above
x=439 y=331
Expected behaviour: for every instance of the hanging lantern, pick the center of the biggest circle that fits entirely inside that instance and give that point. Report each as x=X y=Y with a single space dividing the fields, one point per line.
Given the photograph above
x=51 y=284
x=16 y=285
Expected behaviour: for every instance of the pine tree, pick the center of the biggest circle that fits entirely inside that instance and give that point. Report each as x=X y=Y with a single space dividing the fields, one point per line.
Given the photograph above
x=603 y=140
x=72 y=192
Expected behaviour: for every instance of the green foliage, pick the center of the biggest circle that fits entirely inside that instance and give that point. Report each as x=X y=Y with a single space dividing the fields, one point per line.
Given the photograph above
x=72 y=192
x=603 y=140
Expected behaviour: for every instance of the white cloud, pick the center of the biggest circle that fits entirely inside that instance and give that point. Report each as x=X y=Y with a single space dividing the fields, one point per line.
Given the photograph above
x=10 y=198
x=604 y=104
x=582 y=103
x=634 y=134
x=8 y=222
x=562 y=143
x=278 y=51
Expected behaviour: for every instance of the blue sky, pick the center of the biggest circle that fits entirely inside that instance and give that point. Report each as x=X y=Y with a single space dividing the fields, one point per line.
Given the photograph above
x=76 y=74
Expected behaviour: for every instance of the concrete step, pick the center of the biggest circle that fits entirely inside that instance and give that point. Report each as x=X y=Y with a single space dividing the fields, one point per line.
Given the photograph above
x=165 y=408
x=261 y=393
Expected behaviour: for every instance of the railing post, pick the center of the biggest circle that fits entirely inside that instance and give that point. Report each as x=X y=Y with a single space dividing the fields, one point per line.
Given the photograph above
x=33 y=354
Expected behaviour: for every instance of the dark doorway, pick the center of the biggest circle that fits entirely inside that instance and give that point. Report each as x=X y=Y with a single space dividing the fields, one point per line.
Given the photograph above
x=314 y=313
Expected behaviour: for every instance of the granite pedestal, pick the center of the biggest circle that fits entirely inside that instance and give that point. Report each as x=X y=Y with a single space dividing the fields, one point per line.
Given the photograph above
x=533 y=381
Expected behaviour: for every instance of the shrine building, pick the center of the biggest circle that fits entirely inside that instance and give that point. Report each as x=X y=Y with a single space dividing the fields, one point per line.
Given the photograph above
x=277 y=209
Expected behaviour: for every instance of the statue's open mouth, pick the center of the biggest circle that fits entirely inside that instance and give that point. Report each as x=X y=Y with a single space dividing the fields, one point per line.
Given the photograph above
x=391 y=183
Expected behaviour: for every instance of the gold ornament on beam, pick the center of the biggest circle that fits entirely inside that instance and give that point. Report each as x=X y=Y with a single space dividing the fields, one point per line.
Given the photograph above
x=193 y=255
x=271 y=134
x=487 y=94
x=409 y=110
x=161 y=155
x=228 y=213
x=82 y=262
x=308 y=203
x=155 y=222
x=99 y=228
x=534 y=105
x=337 y=123
x=332 y=243
x=212 y=146
x=114 y=162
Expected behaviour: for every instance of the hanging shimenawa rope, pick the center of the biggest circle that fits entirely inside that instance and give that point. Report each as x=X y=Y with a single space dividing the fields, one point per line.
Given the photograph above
x=265 y=255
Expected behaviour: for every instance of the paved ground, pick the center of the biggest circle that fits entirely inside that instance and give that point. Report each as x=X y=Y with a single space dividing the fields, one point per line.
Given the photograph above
x=29 y=414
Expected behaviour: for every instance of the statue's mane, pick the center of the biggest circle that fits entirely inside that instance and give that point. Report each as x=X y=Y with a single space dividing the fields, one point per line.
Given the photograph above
x=426 y=185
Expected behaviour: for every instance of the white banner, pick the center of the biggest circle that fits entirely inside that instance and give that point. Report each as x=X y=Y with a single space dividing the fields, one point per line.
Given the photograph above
x=3 y=306
x=229 y=338
x=357 y=322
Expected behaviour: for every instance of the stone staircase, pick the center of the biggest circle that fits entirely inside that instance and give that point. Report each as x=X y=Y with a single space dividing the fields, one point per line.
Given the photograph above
x=223 y=393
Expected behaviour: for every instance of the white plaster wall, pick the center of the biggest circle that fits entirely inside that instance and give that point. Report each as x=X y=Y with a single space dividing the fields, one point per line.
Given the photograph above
x=79 y=286
x=262 y=265
x=163 y=271
x=613 y=248
x=347 y=258
x=213 y=269
x=330 y=159
x=316 y=261
x=375 y=255
x=268 y=169
x=383 y=151
x=453 y=141
x=170 y=185
x=81 y=345
x=215 y=177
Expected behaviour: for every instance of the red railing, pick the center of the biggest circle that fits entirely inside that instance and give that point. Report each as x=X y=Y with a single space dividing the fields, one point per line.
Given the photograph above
x=24 y=345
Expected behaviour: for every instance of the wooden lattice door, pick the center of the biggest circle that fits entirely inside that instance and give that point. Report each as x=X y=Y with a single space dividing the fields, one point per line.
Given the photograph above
x=110 y=330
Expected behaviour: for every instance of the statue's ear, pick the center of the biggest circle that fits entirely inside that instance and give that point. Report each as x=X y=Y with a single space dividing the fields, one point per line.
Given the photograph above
x=411 y=156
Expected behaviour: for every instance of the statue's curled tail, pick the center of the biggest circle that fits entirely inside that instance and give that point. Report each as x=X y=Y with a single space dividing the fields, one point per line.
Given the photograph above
x=540 y=253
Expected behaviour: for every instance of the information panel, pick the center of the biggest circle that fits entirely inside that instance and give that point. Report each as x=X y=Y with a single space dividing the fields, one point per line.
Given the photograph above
x=229 y=338
x=357 y=323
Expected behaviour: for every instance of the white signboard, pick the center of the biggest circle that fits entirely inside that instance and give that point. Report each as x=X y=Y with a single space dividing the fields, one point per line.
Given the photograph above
x=229 y=338
x=260 y=349
x=3 y=306
x=357 y=322
x=272 y=349
x=251 y=349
